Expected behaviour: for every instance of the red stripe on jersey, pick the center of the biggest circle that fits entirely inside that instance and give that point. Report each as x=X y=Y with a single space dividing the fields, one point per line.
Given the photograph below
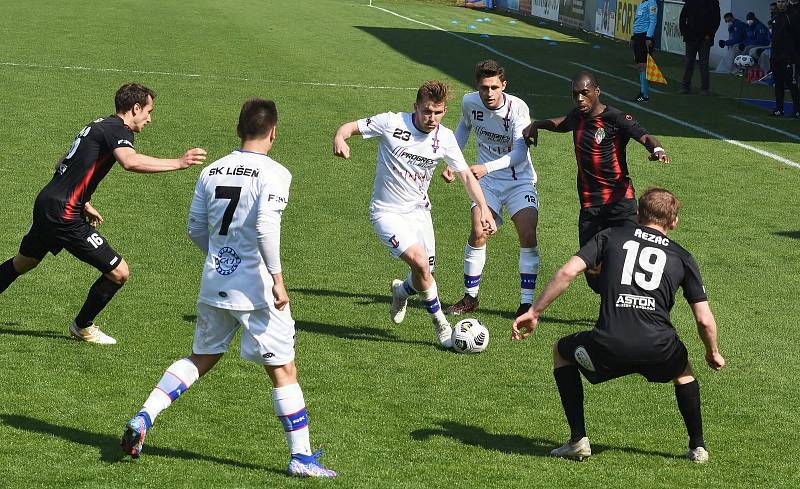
x=597 y=164
x=583 y=189
x=625 y=191
x=69 y=210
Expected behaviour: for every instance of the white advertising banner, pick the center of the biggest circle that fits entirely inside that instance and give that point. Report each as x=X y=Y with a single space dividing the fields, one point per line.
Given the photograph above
x=671 y=39
x=547 y=9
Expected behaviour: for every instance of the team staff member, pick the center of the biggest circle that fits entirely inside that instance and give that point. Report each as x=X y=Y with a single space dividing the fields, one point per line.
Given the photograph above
x=784 y=56
x=600 y=134
x=63 y=217
x=644 y=28
x=642 y=270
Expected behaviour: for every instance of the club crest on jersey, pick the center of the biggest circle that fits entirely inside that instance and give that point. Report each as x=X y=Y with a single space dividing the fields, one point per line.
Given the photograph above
x=226 y=261
x=393 y=241
x=599 y=135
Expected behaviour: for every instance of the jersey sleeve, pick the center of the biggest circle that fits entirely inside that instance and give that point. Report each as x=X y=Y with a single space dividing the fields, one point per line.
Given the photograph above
x=464 y=125
x=592 y=252
x=652 y=16
x=630 y=127
x=520 y=119
x=273 y=200
x=571 y=120
x=374 y=126
x=452 y=154
x=693 y=290
x=275 y=192
x=118 y=137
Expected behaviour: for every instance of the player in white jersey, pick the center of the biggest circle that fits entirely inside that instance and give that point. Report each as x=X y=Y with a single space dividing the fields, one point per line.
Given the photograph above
x=506 y=176
x=235 y=219
x=411 y=145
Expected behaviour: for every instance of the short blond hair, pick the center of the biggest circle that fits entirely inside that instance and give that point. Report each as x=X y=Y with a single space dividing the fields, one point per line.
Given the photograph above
x=434 y=91
x=658 y=206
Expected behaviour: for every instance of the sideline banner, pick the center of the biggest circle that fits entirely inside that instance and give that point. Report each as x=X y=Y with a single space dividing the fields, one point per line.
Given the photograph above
x=671 y=39
x=478 y=3
x=547 y=9
x=626 y=11
x=508 y=4
x=571 y=13
x=605 y=17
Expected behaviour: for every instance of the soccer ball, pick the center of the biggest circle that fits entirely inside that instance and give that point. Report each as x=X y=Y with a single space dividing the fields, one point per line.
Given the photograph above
x=470 y=336
x=743 y=61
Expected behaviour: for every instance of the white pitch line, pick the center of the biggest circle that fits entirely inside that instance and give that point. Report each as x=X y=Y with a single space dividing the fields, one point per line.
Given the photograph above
x=640 y=108
x=194 y=75
x=765 y=126
x=611 y=75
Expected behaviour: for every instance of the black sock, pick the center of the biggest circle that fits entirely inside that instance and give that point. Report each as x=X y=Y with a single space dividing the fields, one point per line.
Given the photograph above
x=570 y=388
x=99 y=295
x=7 y=274
x=688 y=397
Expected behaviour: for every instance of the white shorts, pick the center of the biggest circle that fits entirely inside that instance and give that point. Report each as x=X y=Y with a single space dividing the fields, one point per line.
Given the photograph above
x=399 y=231
x=267 y=334
x=515 y=195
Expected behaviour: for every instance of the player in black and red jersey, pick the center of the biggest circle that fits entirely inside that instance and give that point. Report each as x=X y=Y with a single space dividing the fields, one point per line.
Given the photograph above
x=600 y=134
x=63 y=217
x=642 y=270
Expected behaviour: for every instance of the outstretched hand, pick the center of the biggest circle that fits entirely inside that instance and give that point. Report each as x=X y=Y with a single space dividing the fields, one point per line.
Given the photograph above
x=448 y=175
x=340 y=148
x=660 y=156
x=92 y=216
x=531 y=134
x=524 y=325
x=194 y=156
x=715 y=360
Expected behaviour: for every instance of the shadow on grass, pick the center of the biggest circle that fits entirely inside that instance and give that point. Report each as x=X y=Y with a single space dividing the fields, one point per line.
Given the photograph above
x=373 y=298
x=10 y=331
x=109 y=445
x=357 y=333
x=513 y=444
x=788 y=234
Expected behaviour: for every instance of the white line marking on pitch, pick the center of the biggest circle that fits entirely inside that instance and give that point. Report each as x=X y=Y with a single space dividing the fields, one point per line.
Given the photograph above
x=765 y=126
x=211 y=77
x=640 y=108
x=611 y=75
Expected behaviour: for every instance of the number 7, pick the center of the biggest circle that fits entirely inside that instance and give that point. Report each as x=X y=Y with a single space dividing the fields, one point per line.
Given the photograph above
x=231 y=193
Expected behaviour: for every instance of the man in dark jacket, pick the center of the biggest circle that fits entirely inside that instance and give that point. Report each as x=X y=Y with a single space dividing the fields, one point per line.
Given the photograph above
x=699 y=21
x=784 y=56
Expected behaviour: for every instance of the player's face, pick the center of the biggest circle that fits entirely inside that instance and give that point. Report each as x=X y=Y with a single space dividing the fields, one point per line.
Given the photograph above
x=491 y=91
x=429 y=114
x=141 y=115
x=585 y=95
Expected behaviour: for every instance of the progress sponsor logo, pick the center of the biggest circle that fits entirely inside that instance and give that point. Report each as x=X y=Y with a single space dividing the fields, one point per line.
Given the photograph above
x=636 y=302
x=493 y=137
x=414 y=159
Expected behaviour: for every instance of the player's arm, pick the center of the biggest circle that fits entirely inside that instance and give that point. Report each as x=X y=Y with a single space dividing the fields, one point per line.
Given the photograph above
x=524 y=325
x=653 y=145
x=92 y=215
x=345 y=131
x=707 y=329
x=652 y=17
x=475 y=193
x=197 y=227
x=268 y=233
x=519 y=150
x=462 y=137
x=531 y=133
x=141 y=163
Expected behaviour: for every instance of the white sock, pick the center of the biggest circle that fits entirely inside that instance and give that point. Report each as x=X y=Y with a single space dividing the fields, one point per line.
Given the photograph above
x=176 y=380
x=408 y=288
x=528 y=271
x=430 y=298
x=474 y=260
x=290 y=407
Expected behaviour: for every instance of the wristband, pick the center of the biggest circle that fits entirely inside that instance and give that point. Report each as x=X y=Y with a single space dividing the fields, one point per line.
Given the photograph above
x=657 y=149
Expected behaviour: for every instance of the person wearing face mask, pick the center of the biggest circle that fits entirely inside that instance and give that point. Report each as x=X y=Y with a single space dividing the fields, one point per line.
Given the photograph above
x=756 y=36
x=785 y=50
x=733 y=45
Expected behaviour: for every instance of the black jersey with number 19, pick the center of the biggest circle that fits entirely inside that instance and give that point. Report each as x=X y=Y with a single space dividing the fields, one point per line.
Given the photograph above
x=641 y=272
x=87 y=162
x=600 y=143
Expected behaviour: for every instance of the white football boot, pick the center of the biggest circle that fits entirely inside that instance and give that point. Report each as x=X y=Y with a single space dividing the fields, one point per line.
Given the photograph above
x=697 y=455
x=444 y=332
x=398 y=310
x=575 y=451
x=91 y=334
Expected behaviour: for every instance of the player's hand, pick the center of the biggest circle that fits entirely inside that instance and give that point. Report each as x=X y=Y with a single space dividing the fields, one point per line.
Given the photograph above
x=448 y=175
x=721 y=43
x=524 y=325
x=479 y=171
x=340 y=148
x=715 y=360
x=487 y=221
x=194 y=156
x=531 y=134
x=280 y=296
x=649 y=44
x=91 y=215
x=660 y=156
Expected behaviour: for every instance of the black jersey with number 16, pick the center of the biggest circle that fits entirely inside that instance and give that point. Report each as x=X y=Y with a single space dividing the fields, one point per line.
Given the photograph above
x=88 y=160
x=641 y=272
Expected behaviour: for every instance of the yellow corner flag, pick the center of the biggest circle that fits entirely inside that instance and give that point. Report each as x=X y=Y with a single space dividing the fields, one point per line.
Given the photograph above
x=653 y=73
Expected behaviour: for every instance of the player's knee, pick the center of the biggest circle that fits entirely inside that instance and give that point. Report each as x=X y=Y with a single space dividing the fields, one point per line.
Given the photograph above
x=527 y=237
x=120 y=274
x=558 y=360
x=282 y=375
x=23 y=264
x=477 y=238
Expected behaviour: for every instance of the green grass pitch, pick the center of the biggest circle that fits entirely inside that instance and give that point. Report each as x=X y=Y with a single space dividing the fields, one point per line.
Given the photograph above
x=391 y=409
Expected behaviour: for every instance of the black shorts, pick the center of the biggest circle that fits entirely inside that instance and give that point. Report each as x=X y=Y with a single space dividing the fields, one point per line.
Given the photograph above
x=640 y=50
x=77 y=237
x=592 y=220
x=598 y=364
